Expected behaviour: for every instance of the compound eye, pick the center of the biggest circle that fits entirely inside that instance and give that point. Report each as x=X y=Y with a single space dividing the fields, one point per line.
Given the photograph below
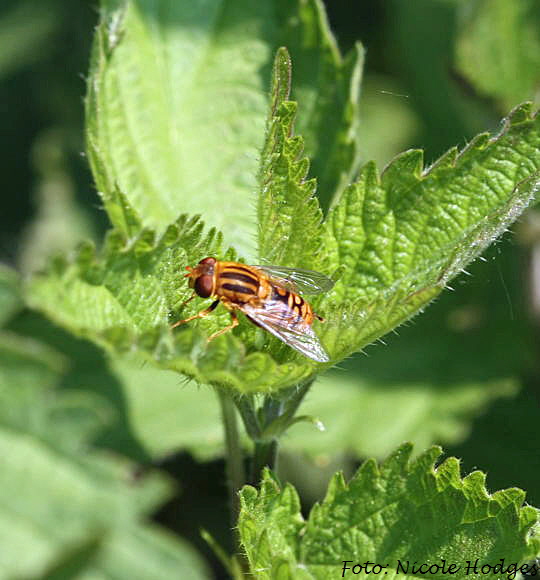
x=203 y=286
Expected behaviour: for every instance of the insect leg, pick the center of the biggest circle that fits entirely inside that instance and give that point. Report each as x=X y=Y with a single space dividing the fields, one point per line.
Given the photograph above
x=319 y=317
x=201 y=314
x=233 y=324
x=188 y=300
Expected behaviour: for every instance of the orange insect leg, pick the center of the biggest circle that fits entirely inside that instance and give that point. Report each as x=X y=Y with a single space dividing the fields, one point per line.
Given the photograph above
x=200 y=314
x=234 y=323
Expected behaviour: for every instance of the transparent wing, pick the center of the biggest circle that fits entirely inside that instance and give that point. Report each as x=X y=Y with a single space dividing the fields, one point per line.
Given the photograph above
x=293 y=331
x=298 y=280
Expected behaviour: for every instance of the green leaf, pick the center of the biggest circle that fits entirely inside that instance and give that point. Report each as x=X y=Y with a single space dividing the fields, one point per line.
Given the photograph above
x=122 y=300
x=431 y=381
x=138 y=553
x=177 y=416
x=176 y=101
x=466 y=345
x=64 y=507
x=401 y=511
x=26 y=366
x=397 y=240
x=498 y=48
x=327 y=86
x=288 y=213
x=151 y=413
x=380 y=415
x=403 y=236
x=166 y=85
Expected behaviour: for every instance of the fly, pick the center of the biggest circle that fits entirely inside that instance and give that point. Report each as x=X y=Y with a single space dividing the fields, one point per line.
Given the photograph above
x=267 y=295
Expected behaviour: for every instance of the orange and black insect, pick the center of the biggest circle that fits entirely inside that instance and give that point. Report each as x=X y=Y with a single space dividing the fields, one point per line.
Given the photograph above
x=267 y=295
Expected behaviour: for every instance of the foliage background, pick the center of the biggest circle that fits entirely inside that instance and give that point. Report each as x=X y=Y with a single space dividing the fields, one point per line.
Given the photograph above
x=464 y=374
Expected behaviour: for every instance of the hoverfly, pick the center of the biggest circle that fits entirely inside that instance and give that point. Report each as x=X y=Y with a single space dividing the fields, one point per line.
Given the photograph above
x=267 y=295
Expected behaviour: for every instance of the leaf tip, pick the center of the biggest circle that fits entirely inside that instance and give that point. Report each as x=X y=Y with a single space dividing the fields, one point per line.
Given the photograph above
x=281 y=77
x=519 y=114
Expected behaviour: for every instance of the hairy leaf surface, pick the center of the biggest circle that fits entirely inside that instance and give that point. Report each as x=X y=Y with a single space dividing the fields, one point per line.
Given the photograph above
x=394 y=240
x=177 y=97
x=288 y=212
x=125 y=298
x=402 y=236
x=401 y=510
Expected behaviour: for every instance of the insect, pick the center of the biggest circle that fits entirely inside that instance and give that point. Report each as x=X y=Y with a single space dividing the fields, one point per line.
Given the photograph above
x=267 y=295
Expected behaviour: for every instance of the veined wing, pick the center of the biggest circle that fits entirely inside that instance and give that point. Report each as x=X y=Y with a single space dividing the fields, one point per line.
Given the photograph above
x=292 y=330
x=298 y=280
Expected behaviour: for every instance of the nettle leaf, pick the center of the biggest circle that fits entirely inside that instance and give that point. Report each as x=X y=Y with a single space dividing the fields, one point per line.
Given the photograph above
x=498 y=48
x=64 y=507
x=123 y=297
x=401 y=511
x=402 y=236
x=177 y=96
x=174 y=112
x=327 y=86
x=396 y=240
x=288 y=213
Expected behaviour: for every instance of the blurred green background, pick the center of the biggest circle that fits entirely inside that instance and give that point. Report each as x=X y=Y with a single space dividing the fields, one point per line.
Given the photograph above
x=464 y=374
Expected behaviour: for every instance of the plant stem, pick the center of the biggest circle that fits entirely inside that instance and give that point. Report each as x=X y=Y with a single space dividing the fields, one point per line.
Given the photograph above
x=264 y=426
x=233 y=451
x=275 y=416
x=296 y=397
x=238 y=565
x=246 y=408
x=265 y=455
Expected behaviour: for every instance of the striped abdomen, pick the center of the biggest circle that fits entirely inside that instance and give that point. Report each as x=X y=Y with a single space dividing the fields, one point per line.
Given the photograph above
x=295 y=307
x=237 y=283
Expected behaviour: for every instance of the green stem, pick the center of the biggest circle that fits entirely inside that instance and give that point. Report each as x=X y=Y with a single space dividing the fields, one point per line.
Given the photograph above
x=265 y=455
x=297 y=396
x=264 y=426
x=246 y=408
x=275 y=416
x=233 y=451
x=272 y=410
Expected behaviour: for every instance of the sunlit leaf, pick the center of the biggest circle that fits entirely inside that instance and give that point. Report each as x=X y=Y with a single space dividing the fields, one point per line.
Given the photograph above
x=176 y=103
x=402 y=236
x=394 y=239
x=401 y=511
